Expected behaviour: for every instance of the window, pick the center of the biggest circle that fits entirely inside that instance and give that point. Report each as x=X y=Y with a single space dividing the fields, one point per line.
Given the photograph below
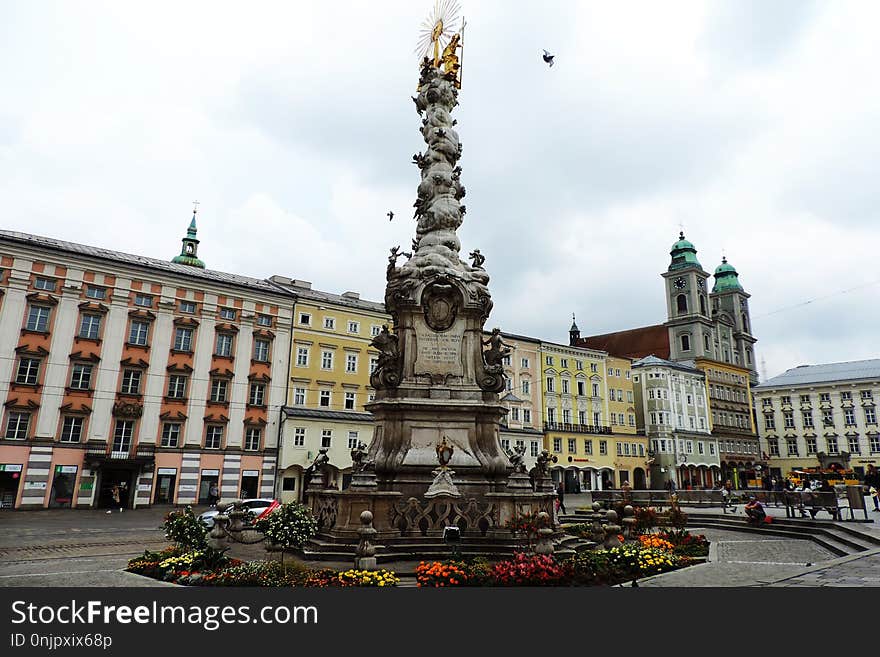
x=557 y=445
x=352 y=439
x=620 y=419
x=302 y=356
x=579 y=365
x=327 y=360
x=329 y=323
x=603 y=447
x=789 y=419
x=131 y=382
x=597 y=419
x=257 y=394
x=786 y=399
x=595 y=390
x=807 y=417
x=177 y=386
x=769 y=422
x=849 y=417
x=566 y=415
x=620 y=449
x=224 y=345
x=594 y=367
x=299 y=436
x=681 y=303
x=712 y=449
x=227 y=313
x=832 y=445
x=581 y=388
x=854 y=445
x=252 y=438
x=866 y=395
x=46 y=284
x=824 y=397
x=582 y=417
x=375 y=330
x=551 y=415
x=700 y=447
x=527 y=416
x=572 y=445
x=213 y=437
x=299 y=396
x=811 y=445
x=38 y=319
x=507 y=361
x=219 y=389
x=264 y=320
x=548 y=360
x=870 y=416
x=94 y=292
x=588 y=447
x=81 y=376
x=137 y=333
x=354 y=327
x=685 y=343
x=524 y=362
x=563 y=363
x=827 y=418
x=631 y=419
x=183 y=339
x=766 y=402
x=261 y=350
x=374 y=363
x=187 y=307
x=28 y=371
x=514 y=414
x=324 y=399
x=846 y=395
x=71 y=429
x=349 y=401
x=170 y=434
x=305 y=319
x=565 y=386
x=351 y=363
x=610 y=371
x=550 y=384
x=874 y=441
x=145 y=300
x=122 y=436
x=534 y=448
x=526 y=387
x=805 y=399
x=326 y=437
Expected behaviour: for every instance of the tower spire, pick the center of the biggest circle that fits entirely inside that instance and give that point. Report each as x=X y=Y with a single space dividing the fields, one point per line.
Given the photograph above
x=190 y=247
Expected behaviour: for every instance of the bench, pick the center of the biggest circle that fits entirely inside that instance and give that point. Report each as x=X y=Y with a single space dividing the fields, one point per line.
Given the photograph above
x=813 y=502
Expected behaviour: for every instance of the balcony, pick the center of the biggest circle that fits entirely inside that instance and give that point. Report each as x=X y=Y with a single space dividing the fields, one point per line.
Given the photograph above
x=576 y=428
x=101 y=454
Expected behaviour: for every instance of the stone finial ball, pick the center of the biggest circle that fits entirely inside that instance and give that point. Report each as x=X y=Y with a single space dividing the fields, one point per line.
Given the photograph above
x=611 y=516
x=596 y=506
x=542 y=517
x=366 y=517
x=628 y=510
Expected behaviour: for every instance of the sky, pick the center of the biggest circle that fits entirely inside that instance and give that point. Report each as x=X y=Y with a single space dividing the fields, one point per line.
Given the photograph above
x=750 y=125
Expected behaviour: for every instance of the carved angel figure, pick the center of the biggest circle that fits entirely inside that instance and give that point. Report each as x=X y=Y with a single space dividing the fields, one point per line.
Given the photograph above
x=517 y=457
x=478 y=258
x=498 y=349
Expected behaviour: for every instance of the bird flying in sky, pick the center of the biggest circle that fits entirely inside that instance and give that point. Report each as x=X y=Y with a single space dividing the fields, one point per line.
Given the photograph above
x=548 y=58
x=390 y=215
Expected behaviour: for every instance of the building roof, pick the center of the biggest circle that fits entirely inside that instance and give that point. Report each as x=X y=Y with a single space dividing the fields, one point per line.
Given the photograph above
x=320 y=414
x=185 y=271
x=634 y=343
x=683 y=254
x=726 y=277
x=303 y=290
x=827 y=373
x=654 y=361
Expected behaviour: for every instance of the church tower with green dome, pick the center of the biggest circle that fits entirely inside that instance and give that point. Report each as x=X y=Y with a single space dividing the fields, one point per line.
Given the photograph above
x=689 y=320
x=189 y=250
x=730 y=310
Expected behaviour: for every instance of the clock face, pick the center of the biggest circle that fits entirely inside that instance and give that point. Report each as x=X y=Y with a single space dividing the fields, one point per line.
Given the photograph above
x=679 y=283
x=701 y=283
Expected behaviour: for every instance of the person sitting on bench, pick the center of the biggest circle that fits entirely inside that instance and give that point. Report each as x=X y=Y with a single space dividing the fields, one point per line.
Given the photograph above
x=755 y=510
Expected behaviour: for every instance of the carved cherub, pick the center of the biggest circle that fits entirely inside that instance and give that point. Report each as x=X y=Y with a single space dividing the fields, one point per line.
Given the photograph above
x=386 y=343
x=497 y=350
x=478 y=259
x=517 y=458
x=359 y=461
x=392 y=259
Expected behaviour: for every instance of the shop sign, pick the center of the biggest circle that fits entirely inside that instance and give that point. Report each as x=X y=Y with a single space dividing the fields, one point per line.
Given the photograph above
x=9 y=467
x=144 y=487
x=186 y=488
x=39 y=485
x=167 y=471
x=210 y=473
x=85 y=485
x=65 y=469
x=250 y=473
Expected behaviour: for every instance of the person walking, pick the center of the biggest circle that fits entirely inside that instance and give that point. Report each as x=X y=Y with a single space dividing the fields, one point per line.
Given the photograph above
x=116 y=496
x=872 y=481
x=560 y=497
x=213 y=495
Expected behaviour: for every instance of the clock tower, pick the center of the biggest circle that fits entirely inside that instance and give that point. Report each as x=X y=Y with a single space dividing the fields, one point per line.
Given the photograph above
x=730 y=310
x=691 y=331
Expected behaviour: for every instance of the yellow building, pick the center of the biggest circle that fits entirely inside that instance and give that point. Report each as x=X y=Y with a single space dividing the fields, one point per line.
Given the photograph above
x=329 y=380
x=630 y=449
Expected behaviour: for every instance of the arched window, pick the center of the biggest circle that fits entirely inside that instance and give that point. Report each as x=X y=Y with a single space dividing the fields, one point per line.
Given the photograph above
x=745 y=321
x=685 y=343
x=706 y=341
x=681 y=302
x=703 y=305
x=749 y=356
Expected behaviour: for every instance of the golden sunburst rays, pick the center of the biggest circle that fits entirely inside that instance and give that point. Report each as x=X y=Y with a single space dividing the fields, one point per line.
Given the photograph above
x=438 y=28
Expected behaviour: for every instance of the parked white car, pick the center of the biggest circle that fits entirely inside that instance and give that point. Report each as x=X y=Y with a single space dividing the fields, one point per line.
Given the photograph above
x=257 y=505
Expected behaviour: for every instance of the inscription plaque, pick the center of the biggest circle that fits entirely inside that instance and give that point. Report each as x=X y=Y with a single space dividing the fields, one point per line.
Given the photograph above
x=439 y=353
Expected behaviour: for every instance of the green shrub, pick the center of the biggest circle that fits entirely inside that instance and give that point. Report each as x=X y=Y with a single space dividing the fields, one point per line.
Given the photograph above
x=289 y=526
x=186 y=529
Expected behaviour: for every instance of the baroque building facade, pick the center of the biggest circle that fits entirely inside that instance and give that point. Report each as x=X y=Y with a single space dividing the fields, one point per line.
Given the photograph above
x=115 y=369
x=821 y=416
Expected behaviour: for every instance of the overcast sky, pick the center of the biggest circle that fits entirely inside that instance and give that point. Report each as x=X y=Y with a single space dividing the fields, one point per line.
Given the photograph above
x=752 y=124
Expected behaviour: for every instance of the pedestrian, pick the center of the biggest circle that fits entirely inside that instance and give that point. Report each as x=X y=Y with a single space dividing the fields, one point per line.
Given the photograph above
x=872 y=481
x=560 y=497
x=115 y=495
x=213 y=495
x=755 y=510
